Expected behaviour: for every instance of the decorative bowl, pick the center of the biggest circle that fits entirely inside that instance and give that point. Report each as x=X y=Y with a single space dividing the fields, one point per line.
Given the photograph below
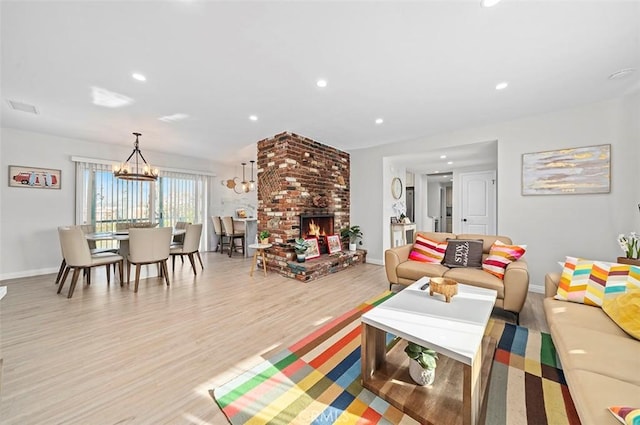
x=444 y=286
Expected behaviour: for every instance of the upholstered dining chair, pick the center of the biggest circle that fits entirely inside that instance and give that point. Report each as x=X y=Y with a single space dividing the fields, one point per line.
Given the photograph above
x=77 y=255
x=149 y=246
x=179 y=239
x=190 y=247
x=220 y=235
x=229 y=231
x=86 y=228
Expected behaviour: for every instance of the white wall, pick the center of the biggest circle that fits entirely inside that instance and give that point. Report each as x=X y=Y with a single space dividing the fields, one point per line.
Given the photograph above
x=29 y=217
x=551 y=226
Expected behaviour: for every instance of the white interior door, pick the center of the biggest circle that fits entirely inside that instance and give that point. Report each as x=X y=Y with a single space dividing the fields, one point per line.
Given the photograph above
x=478 y=202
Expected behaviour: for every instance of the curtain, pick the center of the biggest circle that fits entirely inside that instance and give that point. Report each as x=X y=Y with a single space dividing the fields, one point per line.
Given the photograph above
x=103 y=200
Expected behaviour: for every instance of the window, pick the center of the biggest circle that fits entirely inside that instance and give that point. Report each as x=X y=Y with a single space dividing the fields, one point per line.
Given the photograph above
x=105 y=201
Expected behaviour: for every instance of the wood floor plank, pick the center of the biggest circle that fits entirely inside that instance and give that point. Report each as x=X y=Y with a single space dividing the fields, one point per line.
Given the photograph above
x=110 y=356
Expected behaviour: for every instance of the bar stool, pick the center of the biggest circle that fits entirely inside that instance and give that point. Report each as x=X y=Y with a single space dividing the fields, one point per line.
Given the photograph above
x=259 y=249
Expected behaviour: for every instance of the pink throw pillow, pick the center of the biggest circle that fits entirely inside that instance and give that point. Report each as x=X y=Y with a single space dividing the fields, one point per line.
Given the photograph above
x=500 y=256
x=427 y=251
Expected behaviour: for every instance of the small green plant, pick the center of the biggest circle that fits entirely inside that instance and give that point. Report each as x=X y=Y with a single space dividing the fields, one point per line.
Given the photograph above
x=351 y=234
x=300 y=246
x=264 y=234
x=425 y=357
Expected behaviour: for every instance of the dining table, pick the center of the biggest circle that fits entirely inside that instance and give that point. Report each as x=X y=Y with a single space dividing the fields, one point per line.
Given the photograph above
x=122 y=236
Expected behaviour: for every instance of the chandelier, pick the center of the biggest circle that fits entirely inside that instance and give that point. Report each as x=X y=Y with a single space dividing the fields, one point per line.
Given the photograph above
x=133 y=168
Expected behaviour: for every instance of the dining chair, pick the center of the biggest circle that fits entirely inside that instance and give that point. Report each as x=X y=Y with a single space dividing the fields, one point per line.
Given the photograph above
x=217 y=229
x=190 y=247
x=180 y=225
x=229 y=231
x=120 y=227
x=77 y=255
x=179 y=239
x=149 y=246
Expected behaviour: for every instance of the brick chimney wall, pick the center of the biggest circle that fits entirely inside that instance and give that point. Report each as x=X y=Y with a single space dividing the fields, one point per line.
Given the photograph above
x=297 y=175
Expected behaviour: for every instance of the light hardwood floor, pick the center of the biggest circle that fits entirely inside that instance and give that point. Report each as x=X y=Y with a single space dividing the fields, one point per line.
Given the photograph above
x=109 y=356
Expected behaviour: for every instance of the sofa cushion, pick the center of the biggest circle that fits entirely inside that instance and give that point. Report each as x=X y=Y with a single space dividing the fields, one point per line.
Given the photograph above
x=561 y=313
x=476 y=277
x=612 y=355
x=415 y=270
x=463 y=253
x=500 y=256
x=591 y=282
x=593 y=393
x=625 y=311
x=427 y=250
x=626 y=415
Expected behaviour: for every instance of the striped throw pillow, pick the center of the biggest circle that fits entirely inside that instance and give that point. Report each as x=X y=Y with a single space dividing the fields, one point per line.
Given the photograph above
x=500 y=255
x=591 y=282
x=626 y=415
x=427 y=251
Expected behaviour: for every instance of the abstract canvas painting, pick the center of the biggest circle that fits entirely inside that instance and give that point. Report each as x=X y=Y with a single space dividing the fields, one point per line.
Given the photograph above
x=567 y=171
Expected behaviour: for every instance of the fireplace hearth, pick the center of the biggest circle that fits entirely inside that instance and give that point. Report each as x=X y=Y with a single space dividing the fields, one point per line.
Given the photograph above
x=318 y=226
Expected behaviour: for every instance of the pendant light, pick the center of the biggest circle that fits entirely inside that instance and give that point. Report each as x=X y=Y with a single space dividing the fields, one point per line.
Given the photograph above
x=133 y=168
x=252 y=182
x=245 y=183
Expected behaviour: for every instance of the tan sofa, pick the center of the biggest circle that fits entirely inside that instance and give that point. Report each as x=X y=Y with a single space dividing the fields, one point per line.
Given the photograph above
x=601 y=362
x=512 y=291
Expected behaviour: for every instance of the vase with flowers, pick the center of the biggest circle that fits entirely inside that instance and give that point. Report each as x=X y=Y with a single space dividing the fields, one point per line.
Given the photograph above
x=630 y=244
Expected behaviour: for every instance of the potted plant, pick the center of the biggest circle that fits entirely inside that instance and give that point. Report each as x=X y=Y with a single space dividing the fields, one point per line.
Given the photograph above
x=264 y=236
x=630 y=244
x=351 y=235
x=422 y=363
x=300 y=246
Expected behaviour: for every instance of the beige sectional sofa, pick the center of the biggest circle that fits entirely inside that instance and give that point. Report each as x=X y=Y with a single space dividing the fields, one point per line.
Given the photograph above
x=512 y=291
x=600 y=361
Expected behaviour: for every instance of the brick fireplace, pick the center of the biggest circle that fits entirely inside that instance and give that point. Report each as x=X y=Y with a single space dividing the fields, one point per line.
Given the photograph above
x=299 y=178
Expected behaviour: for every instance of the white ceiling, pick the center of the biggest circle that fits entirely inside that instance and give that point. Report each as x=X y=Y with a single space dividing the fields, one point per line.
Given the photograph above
x=424 y=67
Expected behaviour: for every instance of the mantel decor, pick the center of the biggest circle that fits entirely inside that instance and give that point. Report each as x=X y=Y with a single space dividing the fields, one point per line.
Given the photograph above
x=571 y=171
x=32 y=177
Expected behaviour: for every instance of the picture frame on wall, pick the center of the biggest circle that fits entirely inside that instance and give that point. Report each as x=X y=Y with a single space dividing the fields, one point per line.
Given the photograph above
x=34 y=177
x=333 y=244
x=570 y=171
x=314 y=248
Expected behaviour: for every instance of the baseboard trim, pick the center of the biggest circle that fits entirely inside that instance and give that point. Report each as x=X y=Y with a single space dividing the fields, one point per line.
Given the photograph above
x=28 y=273
x=538 y=289
x=375 y=261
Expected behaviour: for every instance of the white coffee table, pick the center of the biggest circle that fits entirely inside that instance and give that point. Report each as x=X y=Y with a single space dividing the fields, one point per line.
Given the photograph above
x=455 y=330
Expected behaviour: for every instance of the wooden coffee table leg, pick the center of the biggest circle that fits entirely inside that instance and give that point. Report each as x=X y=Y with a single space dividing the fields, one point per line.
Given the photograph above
x=472 y=389
x=373 y=352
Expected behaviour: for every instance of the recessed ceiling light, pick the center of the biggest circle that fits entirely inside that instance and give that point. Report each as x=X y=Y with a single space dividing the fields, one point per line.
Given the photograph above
x=622 y=73
x=253 y=117
x=139 y=77
x=379 y=121
x=436 y=172
x=450 y=162
x=501 y=86
x=489 y=3
x=443 y=156
x=321 y=83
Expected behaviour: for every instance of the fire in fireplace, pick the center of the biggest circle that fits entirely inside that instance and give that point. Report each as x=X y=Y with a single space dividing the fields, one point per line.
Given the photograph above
x=317 y=225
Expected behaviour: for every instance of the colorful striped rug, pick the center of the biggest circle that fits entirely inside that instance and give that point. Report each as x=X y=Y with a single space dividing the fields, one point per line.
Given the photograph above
x=317 y=381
